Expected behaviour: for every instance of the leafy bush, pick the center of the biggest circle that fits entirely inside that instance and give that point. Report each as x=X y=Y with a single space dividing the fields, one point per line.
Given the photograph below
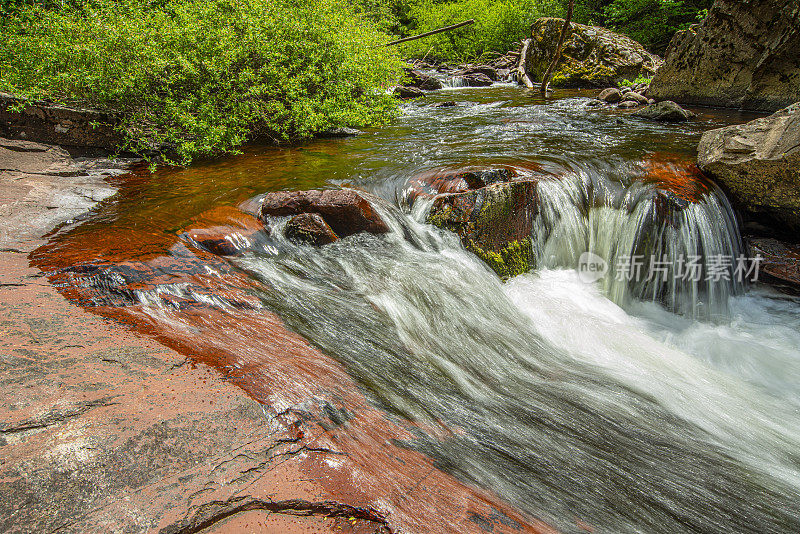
x=654 y=22
x=639 y=80
x=499 y=24
x=206 y=75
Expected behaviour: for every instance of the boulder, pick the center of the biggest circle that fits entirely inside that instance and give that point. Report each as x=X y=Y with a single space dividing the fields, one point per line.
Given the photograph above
x=610 y=95
x=666 y=111
x=494 y=222
x=346 y=211
x=628 y=104
x=743 y=55
x=592 y=56
x=758 y=164
x=224 y=231
x=423 y=81
x=310 y=228
x=486 y=70
x=404 y=92
x=476 y=80
x=438 y=181
x=633 y=96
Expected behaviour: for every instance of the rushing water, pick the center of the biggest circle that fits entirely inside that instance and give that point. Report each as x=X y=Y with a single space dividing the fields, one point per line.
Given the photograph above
x=657 y=406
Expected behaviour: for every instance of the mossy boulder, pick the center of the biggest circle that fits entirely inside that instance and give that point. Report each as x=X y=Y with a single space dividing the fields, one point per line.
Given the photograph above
x=494 y=222
x=743 y=55
x=592 y=56
x=758 y=164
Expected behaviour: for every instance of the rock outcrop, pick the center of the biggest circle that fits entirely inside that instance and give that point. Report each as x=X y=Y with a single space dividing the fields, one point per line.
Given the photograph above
x=758 y=164
x=745 y=55
x=346 y=211
x=592 y=56
x=45 y=122
x=493 y=218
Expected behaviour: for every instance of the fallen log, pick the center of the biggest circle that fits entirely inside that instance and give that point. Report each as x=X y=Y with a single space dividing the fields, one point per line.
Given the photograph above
x=433 y=32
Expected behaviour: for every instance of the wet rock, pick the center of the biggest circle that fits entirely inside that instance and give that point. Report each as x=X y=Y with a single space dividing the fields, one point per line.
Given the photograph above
x=633 y=96
x=592 y=56
x=595 y=103
x=224 y=231
x=493 y=222
x=780 y=260
x=476 y=80
x=743 y=55
x=407 y=92
x=310 y=228
x=610 y=95
x=446 y=104
x=664 y=112
x=439 y=181
x=335 y=133
x=346 y=211
x=423 y=81
x=628 y=104
x=486 y=70
x=758 y=164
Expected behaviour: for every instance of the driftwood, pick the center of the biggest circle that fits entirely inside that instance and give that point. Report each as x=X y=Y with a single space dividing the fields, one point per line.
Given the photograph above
x=434 y=32
x=522 y=70
x=557 y=55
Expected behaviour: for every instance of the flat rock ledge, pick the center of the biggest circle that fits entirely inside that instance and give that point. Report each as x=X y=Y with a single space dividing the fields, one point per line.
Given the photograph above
x=105 y=430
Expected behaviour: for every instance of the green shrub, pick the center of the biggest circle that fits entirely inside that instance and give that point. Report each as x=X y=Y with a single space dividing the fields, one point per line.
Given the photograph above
x=654 y=22
x=499 y=24
x=206 y=75
x=639 y=80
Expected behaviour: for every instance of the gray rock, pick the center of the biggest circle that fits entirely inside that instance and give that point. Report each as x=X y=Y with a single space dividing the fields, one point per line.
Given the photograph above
x=628 y=104
x=610 y=95
x=758 y=164
x=666 y=111
x=633 y=96
x=745 y=55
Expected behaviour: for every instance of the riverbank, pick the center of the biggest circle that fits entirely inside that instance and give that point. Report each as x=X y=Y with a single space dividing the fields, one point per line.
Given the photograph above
x=106 y=430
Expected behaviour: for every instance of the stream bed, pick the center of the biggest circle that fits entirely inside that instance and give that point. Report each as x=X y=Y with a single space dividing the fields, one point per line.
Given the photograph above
x=585 y=404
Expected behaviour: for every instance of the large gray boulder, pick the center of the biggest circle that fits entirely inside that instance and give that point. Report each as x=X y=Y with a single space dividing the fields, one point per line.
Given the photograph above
x=592 y=56
x=746 y=54
x=758 y=164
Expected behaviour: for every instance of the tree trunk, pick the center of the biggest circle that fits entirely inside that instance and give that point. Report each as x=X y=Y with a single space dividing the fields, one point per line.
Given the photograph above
x=559 y=47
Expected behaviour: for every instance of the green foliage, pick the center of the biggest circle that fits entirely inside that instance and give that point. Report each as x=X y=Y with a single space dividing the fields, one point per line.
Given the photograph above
x=654 y=22
x=499 y=24
x=206 y=75
x=639 y=80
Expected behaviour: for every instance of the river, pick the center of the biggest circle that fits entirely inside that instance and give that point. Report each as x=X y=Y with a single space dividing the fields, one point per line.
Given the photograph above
x=629 y=407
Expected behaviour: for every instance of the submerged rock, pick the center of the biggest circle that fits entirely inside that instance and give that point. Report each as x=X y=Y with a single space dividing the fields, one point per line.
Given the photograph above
x=224 y=231
x=592 y=56
x=744 y=54
x=494 y=222
x=758 y=164
x=780 y=260
x=310 y=228
x=346 y=211
x=666 y=111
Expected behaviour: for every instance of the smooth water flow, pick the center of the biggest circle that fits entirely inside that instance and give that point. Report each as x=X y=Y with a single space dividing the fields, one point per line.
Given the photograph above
x=657 y=405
